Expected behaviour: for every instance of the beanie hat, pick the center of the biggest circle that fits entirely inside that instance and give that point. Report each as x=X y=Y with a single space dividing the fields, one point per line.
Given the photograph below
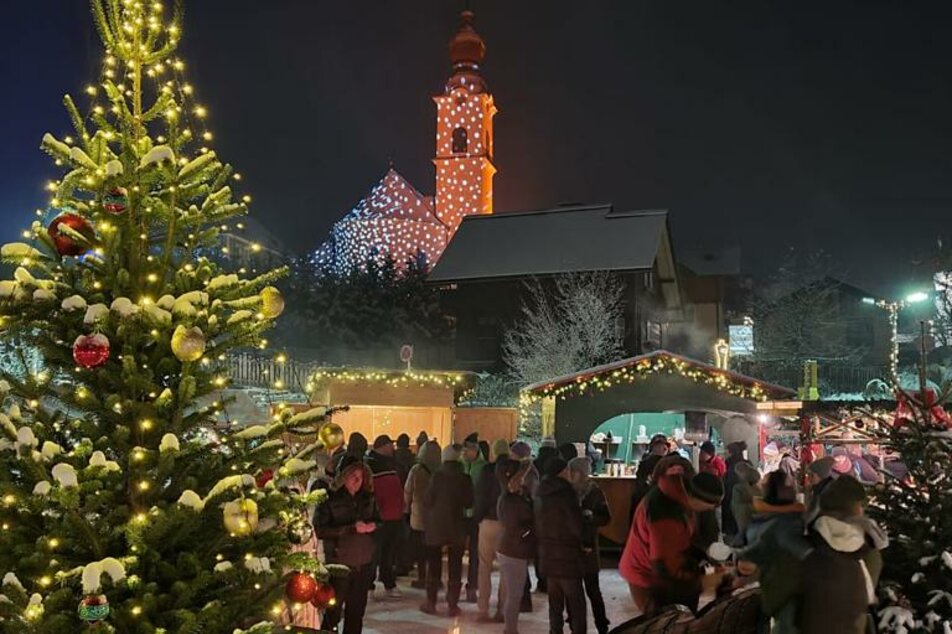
x=382 y=440
x=500 y=448
x=706 y=487
x=568 y=451
x=471 y=441
x=548 y=441
x=708 y=447
x=520 y=450
x=842 y=495
x=822 y=468
x=554 y=466
x=451 y=453
x=403 y=441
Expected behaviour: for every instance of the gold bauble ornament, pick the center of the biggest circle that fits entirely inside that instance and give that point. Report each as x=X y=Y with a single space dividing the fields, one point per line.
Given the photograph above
x=188 y=344
x=272 y=303
x=241 y=517
x=331 y=436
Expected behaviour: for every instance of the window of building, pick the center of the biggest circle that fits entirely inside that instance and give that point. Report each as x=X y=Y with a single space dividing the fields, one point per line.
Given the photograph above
x=459 y=141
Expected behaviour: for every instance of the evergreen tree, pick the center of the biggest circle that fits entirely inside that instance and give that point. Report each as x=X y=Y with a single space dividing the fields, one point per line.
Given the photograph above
x=119 y=485
x=916 y=510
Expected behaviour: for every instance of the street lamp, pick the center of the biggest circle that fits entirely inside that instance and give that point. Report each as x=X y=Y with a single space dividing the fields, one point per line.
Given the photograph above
x=893 y=308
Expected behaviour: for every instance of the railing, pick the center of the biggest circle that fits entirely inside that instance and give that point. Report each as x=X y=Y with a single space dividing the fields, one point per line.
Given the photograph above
x=251 y=370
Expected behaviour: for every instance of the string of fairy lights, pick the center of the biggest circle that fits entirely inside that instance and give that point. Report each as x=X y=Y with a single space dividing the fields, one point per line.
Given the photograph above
x=661 y=365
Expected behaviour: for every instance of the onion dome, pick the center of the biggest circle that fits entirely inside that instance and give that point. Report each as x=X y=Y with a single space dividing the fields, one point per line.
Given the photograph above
x=467 y=50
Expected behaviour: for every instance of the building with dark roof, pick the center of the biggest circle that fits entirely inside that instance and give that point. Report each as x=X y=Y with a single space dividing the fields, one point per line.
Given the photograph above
x=485 y=267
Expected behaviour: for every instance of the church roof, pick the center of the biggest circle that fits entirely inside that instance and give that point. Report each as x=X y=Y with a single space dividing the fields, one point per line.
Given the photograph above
x=394 y=197
x=553 y=241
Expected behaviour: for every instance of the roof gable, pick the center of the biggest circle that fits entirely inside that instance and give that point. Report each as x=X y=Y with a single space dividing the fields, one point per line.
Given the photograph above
x=393 y=197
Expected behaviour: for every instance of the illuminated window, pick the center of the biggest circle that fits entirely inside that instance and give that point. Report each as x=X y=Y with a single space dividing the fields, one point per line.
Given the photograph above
x=459 y=141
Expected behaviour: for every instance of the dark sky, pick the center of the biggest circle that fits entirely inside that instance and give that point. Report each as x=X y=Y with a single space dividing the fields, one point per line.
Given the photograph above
x=756 y=123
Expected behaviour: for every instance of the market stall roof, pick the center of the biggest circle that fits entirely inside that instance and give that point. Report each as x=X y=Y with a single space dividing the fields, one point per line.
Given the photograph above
x=662 y=362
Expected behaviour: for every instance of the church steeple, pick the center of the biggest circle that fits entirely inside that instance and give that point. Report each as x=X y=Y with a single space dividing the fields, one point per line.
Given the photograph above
x=464 y=132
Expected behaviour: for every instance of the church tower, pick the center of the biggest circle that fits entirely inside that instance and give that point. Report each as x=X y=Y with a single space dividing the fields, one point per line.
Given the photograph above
x=464 y=133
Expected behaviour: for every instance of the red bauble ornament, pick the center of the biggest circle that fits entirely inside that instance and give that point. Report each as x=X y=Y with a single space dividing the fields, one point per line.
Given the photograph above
x=264 y=478
x=91 y=351
x=116 y=200
x=66 y=245
x=300 y=587
x=324 y=596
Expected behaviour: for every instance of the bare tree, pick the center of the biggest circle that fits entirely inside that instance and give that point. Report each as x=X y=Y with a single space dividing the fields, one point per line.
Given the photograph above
x=568 y=324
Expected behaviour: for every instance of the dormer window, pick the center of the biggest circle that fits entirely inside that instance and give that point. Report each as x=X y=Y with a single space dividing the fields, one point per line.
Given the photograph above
x=459 y=141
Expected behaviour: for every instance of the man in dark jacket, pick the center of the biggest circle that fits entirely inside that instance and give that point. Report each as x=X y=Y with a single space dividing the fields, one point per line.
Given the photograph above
x=560 y=528
x=657 y=449
x=595 y=513
x=346 y=522
x=735 y=455
x=517 y=546
x=403 y=456
x=404 y=459
x=388 y=491
x=473 y=463
x=488 y=490
x=444 y=518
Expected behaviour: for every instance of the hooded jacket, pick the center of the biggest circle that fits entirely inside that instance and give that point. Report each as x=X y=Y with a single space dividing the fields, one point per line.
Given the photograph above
x=418 y=481
x=560 y=529
x=660 y=553
x=777 y=545
x=335 y=522
x=445 y=503
x=842 y=570
x=388 y=488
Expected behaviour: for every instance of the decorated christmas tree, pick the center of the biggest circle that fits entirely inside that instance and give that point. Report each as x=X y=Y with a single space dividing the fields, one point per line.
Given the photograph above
x=129 y=502
x=915 y=506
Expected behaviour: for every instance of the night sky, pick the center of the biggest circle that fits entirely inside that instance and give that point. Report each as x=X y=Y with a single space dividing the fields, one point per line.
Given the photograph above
x=762 y=124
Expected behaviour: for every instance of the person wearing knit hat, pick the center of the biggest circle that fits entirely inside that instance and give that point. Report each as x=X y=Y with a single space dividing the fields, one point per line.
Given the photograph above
x=520 y=450
x=485 y=514
x=517 y=544
x=710 y=462
x=842 y=463
x=560 y=527
x=843 y=567
x=445 y=503
x=346 y=522
x=596 y=513
x=659 y=560
x=820 y=470
x=473 y=464
x=388 y=491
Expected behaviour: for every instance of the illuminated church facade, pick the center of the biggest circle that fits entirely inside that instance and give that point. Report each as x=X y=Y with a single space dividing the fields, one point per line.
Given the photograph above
x=394 y=220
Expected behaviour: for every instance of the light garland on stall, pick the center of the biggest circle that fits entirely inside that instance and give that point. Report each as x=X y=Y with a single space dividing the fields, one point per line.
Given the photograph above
x=389 y=378
x=657 y=366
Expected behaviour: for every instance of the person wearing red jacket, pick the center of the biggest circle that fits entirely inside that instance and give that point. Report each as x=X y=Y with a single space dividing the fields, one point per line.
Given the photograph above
x=710 y=462
x=388 y=492
x=662 y=558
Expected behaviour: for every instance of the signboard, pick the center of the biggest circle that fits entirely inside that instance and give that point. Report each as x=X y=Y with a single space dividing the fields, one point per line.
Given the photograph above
x=741 y=340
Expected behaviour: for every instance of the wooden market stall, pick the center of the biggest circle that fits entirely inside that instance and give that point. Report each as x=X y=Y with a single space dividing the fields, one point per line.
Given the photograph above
x=574 y=405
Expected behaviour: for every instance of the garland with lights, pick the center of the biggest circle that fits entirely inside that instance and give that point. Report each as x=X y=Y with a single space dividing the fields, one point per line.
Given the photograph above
x=660 y=365
x=390 y=378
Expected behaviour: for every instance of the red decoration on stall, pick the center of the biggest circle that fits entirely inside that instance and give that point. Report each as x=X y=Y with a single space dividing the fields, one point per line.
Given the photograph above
x=91 y=351
x=300 y=587
x=324 y=596
x=65 y=244
x=928 y=402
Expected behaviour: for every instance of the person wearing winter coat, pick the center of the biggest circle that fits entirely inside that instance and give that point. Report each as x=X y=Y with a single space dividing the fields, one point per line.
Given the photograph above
x=595 y=514
x=657 y=449
x=388 y=491
x=488 y=490
x=445 y=503
x=357 y=445
x=346 y=522
x=742 y=497
x=844 y=566
x=561 y=529
x=473 y=463
x=776 y=545
x=403 y=457
x=735 y=455
x=517 y=545
x=428 y=461
x=662 y=556
x=710 y=462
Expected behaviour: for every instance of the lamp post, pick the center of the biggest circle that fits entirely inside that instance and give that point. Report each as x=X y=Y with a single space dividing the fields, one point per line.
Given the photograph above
x=892 y=308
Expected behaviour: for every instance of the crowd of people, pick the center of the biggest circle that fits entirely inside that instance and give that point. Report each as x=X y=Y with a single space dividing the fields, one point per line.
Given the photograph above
x=695 y=532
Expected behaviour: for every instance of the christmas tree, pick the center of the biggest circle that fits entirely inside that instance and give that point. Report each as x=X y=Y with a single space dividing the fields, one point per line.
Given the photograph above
x=915 y=507
x=126 y=503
